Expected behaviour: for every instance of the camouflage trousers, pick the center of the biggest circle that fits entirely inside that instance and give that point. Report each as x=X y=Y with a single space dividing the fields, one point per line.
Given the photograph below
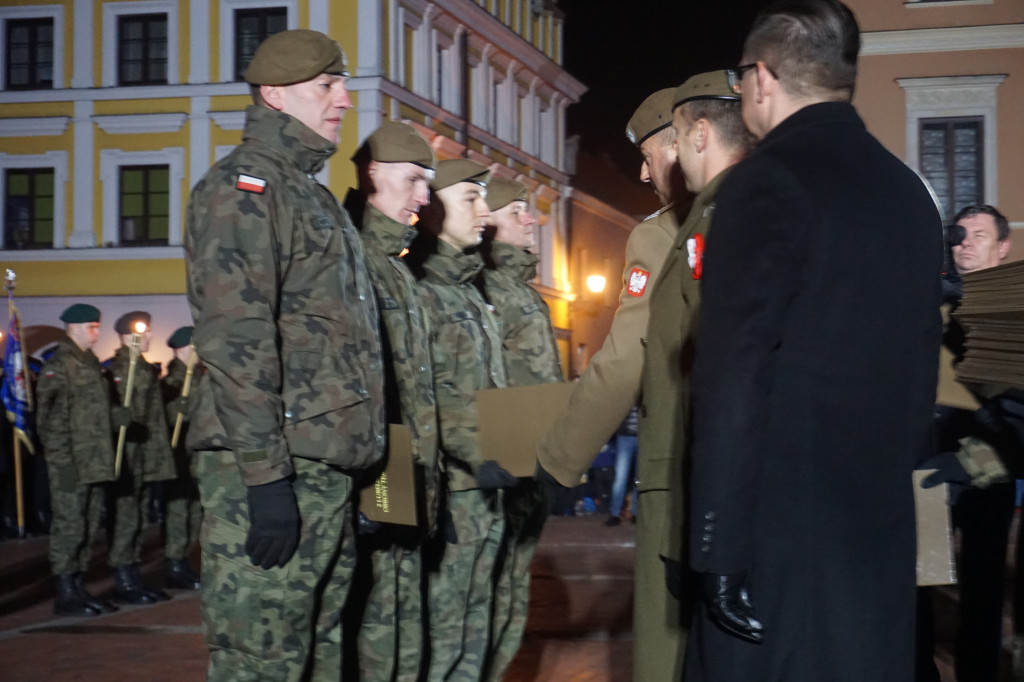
x=76 y=521
x=526 y=509
x=391 y=636
x=281 y=624
x=128 y=499
x=461 y=587
x=184 y=516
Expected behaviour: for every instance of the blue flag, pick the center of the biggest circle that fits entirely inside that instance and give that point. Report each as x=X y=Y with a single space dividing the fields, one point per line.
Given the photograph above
x=14 y=389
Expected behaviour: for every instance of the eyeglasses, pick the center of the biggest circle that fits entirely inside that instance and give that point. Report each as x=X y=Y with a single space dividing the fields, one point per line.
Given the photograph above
x=736 y=75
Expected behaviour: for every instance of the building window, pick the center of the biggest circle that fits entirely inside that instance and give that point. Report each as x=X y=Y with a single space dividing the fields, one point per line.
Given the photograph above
x=29 y=54
x=252 y=26
x=28 y=208
x=952 y=159
x=145 y=205
x=142 y=49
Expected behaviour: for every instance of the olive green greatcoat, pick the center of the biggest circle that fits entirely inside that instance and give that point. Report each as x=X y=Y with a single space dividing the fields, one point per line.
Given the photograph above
x=610 y=386
x=660 y=621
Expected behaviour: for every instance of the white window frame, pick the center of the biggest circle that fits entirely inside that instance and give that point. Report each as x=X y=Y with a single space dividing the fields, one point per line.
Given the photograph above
x=954 y=97
x=58 y=161
x=54 y=12
x=227 y=28
x=111 y=161
x=112 y=11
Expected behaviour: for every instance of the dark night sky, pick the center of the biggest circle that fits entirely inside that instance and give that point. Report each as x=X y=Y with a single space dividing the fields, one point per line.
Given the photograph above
x=624 y=51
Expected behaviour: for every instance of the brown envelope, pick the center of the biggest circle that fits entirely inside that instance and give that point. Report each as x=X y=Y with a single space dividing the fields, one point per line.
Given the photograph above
x=392 y=497
x=935 y=564
x=511 y=422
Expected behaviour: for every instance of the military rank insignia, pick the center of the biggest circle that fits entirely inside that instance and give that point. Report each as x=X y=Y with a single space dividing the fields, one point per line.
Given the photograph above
x=248 y=183
x=695 y=255
x=637 y=282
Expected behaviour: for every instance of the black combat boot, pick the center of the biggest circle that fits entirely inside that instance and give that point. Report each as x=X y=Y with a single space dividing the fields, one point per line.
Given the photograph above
x=128 y=588
x=157 y=595
x=89 y=598
x=180 y=575
x=67 y=601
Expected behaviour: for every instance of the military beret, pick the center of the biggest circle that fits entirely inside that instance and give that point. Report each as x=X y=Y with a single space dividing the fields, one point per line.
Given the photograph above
x=126 y=323
x=653 y=114
x=460 y=170
x=79 y=313
x=396 y=142
x=710 y=85
x=501 y=192
x=181 y=337
x=295 y=56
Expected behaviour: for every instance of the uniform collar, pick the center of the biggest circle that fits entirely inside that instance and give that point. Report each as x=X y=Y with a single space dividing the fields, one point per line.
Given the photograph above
x=452 y=265
x=390 y=236
x=514 y=261
x=288 y=136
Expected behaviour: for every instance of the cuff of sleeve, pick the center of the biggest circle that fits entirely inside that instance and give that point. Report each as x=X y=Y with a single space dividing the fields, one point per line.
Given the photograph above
x=264 y=466
x=567 y=476
x=981 y=462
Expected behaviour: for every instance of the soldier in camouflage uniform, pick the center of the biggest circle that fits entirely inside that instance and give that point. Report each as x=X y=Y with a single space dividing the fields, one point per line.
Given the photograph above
x=75 y=426
x=147 y=457
x=292 y=404
x=531 y=357
x=184 y=513
x=465 y=347
x=395 y=166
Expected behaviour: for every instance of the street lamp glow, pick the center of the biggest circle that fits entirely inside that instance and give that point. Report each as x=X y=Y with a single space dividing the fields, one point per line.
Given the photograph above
x=595 y=283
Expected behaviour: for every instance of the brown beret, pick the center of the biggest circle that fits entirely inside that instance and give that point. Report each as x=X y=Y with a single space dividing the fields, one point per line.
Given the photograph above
x=654 y=114
x=710 y=85
x=459 y=170
x=501 y=192
x=295 y=56
x=396 y=142
x=126 y=323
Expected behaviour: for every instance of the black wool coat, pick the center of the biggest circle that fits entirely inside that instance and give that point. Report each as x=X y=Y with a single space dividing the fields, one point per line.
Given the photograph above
x=813 y=387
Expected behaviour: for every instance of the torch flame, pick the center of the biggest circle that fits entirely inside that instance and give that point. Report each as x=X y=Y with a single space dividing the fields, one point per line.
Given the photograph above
x=140 y=327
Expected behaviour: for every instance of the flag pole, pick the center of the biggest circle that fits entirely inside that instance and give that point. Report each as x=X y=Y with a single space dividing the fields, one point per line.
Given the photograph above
x=19 y=491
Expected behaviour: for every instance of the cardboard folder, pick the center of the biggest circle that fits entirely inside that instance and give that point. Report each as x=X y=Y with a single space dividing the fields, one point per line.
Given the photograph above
x=935 y=562
x=392 y=497
x=511 y=422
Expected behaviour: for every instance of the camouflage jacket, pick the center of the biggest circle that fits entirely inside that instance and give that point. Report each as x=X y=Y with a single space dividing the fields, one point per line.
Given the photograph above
x=409 y=384
x=285 y=318
x=465 y=347
x=531 y=353
x=73 y=414
x=170 y=388
x=147 y=438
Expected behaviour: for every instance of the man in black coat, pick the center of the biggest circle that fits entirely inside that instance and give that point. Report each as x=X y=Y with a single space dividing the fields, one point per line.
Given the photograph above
x=815 y=376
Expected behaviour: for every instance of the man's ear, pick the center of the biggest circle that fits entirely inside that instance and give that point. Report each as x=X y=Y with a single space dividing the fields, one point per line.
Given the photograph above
x=766 y=82
x=701 y=135
x=1003 y=248
x=273 y=95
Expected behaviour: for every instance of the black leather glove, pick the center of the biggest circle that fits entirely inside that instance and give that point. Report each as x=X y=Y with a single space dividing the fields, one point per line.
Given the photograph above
x=674 y=578
x=490 y=476
x=273 y=524
x=542 y=476
x=729 y=606
x=1000 y=421
x=365 y=526
x=180 y=406
x=948 y=470
x=120 y=416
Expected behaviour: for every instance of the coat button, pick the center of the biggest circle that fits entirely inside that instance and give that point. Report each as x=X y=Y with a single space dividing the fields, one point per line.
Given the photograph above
x=710 y=516
x=706 y=538
x=708 y=527
x=287 y=414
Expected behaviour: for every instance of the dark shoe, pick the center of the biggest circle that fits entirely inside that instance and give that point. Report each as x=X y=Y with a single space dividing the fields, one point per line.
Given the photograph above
x=67 y=601
x=180 y=575
x=612 y=521
x=102 y=605
x=128 y=588
x=158 y=595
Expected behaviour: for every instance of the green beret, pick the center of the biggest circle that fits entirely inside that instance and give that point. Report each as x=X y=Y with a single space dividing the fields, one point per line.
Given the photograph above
x=126 y=323
x=181 y=337
x=653 y=114
x=79 y=313
x=710 y=85
x=501 y=192
x=460 y=170
x=295 y=56
x=396 y=142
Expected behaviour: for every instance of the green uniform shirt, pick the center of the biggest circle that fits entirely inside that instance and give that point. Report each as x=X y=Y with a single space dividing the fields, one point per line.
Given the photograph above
x=285 y=318
x=73 y=414
x=465 y=347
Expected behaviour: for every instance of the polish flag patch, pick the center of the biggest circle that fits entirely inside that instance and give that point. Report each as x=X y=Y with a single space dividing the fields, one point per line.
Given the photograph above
x=637 y=282
x=248 y=183
x=695 y=255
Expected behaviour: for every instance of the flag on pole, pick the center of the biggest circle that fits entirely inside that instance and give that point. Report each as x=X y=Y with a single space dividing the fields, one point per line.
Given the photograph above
x=15 y=388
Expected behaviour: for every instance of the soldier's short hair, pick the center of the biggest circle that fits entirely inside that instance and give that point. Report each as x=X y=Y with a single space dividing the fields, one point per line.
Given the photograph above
x=727 y=119
x=811 y=46
x=1002 y=224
